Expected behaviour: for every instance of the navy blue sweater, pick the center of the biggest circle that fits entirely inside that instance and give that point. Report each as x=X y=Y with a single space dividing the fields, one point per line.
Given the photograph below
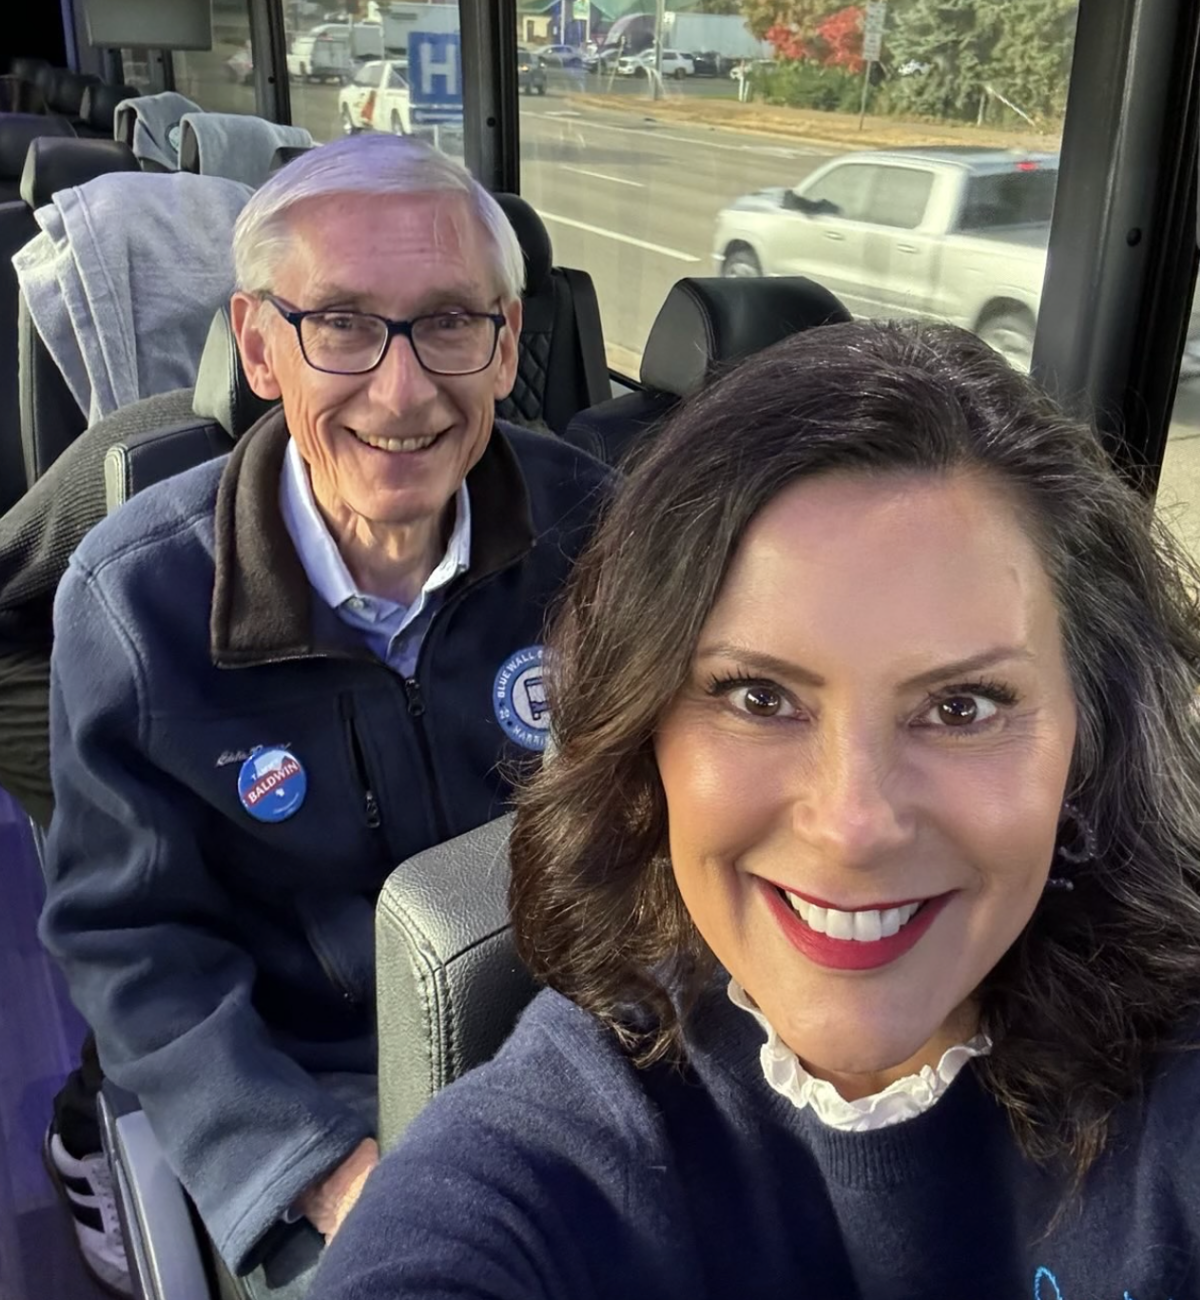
x=558 y=1170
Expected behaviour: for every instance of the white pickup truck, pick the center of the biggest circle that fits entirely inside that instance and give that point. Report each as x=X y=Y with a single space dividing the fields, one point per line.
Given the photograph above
x=377 y=99
x=953 y=234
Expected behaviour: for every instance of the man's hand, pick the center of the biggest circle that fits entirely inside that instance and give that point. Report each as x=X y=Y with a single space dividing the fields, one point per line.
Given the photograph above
x=326 y=1204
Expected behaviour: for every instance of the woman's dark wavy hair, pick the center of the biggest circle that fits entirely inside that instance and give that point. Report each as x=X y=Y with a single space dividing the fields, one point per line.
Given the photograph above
x=1101 y=977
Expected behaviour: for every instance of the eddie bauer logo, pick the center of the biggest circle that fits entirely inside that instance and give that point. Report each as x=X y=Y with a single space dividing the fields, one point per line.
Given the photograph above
x=241 y=755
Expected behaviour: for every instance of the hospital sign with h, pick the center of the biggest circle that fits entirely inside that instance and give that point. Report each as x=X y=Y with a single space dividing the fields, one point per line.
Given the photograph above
x=435 y=78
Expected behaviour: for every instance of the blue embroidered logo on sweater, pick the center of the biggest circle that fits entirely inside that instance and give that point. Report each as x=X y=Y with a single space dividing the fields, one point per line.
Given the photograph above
x=1045 y=1287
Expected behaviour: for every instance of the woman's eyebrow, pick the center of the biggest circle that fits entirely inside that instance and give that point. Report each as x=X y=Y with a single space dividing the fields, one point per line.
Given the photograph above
x=759 y=662
x=774 y=666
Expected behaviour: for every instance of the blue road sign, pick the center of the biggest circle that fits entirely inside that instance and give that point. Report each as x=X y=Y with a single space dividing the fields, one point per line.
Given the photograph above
x=435 y=78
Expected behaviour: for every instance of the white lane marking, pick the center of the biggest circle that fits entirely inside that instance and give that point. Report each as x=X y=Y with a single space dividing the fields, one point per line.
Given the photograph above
x=600 y=176
x=624 y=239
x=772 y=151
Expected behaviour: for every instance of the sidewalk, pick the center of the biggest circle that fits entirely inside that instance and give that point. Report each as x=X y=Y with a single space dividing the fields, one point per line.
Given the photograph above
x=808 y=127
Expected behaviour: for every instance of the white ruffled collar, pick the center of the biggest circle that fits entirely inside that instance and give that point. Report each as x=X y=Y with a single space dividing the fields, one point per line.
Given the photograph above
x=902 y=1100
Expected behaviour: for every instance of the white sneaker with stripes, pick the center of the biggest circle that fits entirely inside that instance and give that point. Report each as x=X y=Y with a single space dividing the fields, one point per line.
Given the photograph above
x=85 y=1188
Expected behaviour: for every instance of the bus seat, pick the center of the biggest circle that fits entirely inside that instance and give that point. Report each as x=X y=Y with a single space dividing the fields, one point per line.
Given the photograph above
x=238 y=146
x=44 y=77
x=223 y=407
x=66 y=92
x=55 y=163
x=705 y=326
x=26 y=66
x=49 y=417
x=20 y=96
x=17 y=227
x=561 y=367
x=449 y=984
x=284 y=155
x=449 y=991
x=17 y=132
x=99 y=105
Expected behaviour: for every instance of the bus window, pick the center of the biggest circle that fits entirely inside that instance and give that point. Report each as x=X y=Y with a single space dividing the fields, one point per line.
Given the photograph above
x=718 y=165
x=142 y=69
x=352 y=74
x=220 y=80
x=1179 y=487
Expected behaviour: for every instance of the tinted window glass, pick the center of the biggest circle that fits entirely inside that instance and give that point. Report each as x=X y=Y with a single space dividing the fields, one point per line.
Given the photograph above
x=846 y=188
x=1016 y=198
x=899 y=197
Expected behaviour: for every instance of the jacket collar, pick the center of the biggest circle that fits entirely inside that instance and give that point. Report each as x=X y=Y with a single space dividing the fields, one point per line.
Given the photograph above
x=262 y=606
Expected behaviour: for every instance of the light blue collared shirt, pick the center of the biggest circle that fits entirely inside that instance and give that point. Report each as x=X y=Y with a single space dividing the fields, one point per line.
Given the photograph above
x=393 y=632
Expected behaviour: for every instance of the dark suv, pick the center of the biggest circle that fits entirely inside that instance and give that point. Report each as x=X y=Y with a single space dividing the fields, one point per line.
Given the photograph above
x=708 y=63
x=531 y=76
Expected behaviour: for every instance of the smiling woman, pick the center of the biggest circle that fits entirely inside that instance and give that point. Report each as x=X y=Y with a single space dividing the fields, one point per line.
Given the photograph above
x=874 y=715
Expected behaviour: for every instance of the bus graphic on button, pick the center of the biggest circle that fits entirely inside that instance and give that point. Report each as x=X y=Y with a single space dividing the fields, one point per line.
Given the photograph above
x=519 y=699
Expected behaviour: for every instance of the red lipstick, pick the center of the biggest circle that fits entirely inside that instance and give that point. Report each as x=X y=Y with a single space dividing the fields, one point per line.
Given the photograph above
x=849 y=954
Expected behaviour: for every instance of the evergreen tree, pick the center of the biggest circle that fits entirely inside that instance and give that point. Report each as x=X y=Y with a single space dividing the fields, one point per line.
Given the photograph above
x=1021 y=49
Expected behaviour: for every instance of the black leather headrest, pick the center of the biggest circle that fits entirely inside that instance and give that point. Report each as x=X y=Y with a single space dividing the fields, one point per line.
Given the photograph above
x=20 y=96
x=533 y=238
x=66 y=95
x=707 y=324
x=222 y=393
x=17 y=133
x=44 y=77
x=26 y=66
x=56 y=163
x=284 y=155
x=99 y=103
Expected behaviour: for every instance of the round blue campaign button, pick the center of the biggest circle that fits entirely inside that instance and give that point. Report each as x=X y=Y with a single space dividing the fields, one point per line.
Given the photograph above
x=519 y=698
x=272 y=784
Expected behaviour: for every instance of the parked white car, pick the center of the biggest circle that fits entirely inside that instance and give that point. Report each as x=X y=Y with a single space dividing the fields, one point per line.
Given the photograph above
x=376 y=99
x=674 y=64
x=319 y=55
x=560 y=56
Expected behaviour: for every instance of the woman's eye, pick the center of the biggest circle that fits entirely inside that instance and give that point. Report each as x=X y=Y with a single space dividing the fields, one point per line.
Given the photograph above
x=761 y=701
x=961 y=711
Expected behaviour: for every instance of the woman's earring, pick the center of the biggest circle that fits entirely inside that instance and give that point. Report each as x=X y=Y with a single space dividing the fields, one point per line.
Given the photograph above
x=1076 y=844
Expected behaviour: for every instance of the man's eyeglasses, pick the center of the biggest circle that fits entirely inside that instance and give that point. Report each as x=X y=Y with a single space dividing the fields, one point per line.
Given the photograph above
x=355 y=342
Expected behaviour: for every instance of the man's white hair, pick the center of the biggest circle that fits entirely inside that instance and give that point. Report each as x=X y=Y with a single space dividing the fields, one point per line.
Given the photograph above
x=372 y=163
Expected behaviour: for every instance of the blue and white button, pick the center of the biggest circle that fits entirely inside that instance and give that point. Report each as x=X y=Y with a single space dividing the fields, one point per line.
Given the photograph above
x=519 y=699
x=272 y=784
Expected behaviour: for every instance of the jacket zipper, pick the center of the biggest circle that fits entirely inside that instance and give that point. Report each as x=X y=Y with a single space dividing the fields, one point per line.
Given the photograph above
x=370 y=803
x=334 y=978
x=415 y=698
x=416 y=710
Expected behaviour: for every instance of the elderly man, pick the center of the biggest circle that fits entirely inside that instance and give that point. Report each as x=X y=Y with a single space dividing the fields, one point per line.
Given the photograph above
x=276 y=676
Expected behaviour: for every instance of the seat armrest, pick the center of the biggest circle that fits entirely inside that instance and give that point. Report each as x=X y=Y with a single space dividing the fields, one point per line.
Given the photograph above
x=141 y=459
x=450 y=985
x=161 y=1244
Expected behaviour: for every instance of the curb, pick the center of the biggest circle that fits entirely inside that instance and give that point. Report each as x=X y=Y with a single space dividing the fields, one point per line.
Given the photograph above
x=653 y=111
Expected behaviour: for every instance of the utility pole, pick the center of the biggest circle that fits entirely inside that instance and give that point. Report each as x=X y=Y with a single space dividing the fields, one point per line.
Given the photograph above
x=659 y=23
